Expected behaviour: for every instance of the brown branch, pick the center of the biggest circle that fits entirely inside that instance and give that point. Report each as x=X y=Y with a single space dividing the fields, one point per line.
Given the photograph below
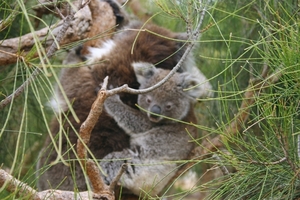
x=85 y=134
x=117 y=178
x=102 y=190
x=28 y=41
x=36 y=72
x=11 y=50
x=13 y=185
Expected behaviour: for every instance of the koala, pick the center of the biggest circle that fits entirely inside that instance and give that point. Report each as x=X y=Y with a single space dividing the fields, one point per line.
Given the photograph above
x=79 y=86
x=157 y=139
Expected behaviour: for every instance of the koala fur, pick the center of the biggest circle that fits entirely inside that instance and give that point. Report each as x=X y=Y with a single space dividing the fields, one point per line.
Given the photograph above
x=80 y=85
x=155 y=142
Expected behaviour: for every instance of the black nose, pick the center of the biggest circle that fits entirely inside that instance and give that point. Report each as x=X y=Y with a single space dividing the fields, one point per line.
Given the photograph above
x=155 y=109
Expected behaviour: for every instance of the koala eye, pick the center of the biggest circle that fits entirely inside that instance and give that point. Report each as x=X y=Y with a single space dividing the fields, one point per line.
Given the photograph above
x=169 y=106
x=148 y=100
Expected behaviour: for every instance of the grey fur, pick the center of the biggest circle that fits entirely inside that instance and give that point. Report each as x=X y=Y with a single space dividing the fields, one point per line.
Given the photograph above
x=155 y=142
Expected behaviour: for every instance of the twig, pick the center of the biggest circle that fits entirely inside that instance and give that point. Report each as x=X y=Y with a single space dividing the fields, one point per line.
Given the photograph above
x=84 y=138
x=222 y=167
x=268 y=163
x=125 y=88
x=20 y=89
x=117 y=178
x=13 y=185
x=37 y=71
x=285 y=148
x=194 y=36
x=99 y=187
x=10 y=18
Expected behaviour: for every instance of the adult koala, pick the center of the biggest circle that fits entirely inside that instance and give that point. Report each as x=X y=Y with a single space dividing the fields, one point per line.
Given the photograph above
x=137 y=42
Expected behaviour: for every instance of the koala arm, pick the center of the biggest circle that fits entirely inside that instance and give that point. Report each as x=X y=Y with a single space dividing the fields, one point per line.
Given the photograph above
x=129 y=119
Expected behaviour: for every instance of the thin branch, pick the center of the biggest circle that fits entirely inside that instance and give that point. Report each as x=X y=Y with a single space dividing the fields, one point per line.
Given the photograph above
x=14 y=185
x=20 y=89
x=222 y=167
x=84 y=138
x=125 y=88
x=99 y=187
x=117 y=178
x=285 y=148
x=52 y=49
x=9 y=19
x=37 y=71
x=268 y=163
x=190 y=44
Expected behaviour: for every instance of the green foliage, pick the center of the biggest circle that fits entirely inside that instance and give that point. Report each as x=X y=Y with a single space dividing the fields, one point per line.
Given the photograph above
x=24 y=122
x=239 y=38
x=265 y=154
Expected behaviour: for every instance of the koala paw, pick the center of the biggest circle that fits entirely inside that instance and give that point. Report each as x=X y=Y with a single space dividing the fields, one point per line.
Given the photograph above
x=113 y=99
x=130 y=170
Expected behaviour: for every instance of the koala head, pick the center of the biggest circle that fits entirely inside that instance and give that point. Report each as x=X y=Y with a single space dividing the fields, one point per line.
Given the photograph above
x=173 y=99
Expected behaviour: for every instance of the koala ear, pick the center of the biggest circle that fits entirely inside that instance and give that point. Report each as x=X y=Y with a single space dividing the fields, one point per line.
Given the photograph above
x=182 y=36
x=190 y=85
x=143 y=71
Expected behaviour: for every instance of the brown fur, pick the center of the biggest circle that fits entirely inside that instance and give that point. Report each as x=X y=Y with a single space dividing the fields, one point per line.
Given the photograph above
x=80 y=86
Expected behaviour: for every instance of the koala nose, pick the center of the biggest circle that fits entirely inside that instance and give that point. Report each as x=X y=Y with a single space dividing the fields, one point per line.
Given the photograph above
x=155 y=109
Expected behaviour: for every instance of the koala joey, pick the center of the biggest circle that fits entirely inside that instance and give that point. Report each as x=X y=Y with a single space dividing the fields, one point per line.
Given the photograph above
x=157 y=139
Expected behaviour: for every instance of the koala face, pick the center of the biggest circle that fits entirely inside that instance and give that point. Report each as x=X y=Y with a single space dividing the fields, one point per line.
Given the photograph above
x=171 y=100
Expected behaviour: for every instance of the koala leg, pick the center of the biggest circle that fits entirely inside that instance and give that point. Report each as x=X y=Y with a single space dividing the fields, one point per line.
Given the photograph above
x=112 y=163
x=142 y=175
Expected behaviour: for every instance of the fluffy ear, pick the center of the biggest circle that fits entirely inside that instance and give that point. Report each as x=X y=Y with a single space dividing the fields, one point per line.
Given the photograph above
x=191 y=85
x=143 y=71
x=182 y=36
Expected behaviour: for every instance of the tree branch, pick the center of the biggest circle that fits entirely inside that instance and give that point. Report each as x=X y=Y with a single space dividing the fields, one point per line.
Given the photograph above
x=13 y=49
x=59 y=36
x=193 y=36
x=99 y=187
x=13 y=185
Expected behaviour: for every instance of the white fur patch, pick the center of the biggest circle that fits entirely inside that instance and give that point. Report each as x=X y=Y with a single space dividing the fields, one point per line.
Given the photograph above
x=141 y=63
x=96 y=54
x=58 y=104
